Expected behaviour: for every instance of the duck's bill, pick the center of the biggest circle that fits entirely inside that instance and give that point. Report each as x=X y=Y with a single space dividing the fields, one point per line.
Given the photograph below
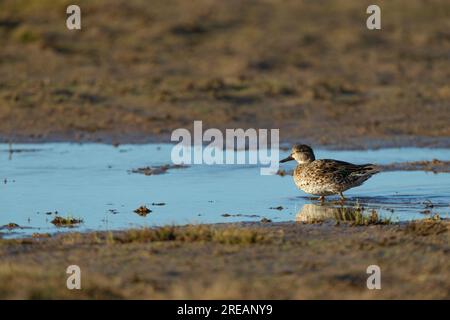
x=287 y=159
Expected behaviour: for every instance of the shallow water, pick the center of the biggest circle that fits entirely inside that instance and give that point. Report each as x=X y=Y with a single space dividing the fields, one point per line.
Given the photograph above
x=93 y=182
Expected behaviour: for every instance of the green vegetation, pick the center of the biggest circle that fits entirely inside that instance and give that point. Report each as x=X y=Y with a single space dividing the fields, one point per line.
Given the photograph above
x=357 y=216
x=361 y=219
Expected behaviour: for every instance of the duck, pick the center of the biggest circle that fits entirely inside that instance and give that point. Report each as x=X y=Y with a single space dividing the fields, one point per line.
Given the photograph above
x=325 y=177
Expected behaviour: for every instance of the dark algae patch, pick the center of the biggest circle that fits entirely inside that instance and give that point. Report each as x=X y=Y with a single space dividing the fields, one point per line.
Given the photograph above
x=277 y=208
x=10 y=226
x=142 y=211
x=150 y=171
x=66 y=222
x=226 y=215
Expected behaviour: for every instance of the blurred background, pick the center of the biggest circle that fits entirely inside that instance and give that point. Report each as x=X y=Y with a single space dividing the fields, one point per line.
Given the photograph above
x=139 y=69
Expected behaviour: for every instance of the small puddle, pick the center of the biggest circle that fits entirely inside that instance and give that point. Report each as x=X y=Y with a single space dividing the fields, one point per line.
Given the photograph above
x=96 y=184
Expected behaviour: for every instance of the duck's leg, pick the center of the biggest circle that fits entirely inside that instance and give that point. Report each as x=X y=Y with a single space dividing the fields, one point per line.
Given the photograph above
x=342 y=196
x=321 y=199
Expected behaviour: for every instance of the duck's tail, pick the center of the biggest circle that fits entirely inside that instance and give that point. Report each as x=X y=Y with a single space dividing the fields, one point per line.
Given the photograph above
x=361 y=173
x=364 y=171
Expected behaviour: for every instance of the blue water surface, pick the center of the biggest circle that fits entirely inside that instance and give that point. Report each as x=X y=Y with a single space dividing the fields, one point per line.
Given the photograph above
x=93 y=182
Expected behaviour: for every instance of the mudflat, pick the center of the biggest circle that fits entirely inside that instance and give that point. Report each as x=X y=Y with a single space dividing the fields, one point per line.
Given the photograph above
x=239 y=261
x=136 y=71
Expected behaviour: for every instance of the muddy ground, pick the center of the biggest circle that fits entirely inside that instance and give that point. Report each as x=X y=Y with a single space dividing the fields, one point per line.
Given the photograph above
x=138 y=70
x=248 y=261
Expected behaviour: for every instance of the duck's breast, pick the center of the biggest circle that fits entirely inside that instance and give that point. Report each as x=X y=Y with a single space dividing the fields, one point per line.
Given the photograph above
x=311 y=178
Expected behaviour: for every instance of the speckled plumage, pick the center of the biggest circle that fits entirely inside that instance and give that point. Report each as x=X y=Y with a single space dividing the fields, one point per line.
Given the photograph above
x=326 y=176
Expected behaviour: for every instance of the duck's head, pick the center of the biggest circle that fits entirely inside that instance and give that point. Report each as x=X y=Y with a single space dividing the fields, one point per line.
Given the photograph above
x=300 y=153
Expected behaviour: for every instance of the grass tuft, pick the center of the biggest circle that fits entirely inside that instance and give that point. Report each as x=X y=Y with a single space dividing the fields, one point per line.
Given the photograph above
x=427 y=227
x=200 y=233
x=359 y=218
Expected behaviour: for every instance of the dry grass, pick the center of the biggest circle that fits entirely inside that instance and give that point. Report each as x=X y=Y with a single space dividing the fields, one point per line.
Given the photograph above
x=429 y=226
x=266 y=261
x=195 y=233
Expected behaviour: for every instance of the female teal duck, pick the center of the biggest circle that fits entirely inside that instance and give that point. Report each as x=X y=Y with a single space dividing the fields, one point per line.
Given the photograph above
x=326 y=177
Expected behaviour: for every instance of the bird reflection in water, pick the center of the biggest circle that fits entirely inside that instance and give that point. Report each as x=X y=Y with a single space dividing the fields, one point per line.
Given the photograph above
x=311 y=213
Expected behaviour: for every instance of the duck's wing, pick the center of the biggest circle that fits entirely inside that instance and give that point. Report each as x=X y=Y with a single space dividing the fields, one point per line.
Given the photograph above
x=345 y=172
